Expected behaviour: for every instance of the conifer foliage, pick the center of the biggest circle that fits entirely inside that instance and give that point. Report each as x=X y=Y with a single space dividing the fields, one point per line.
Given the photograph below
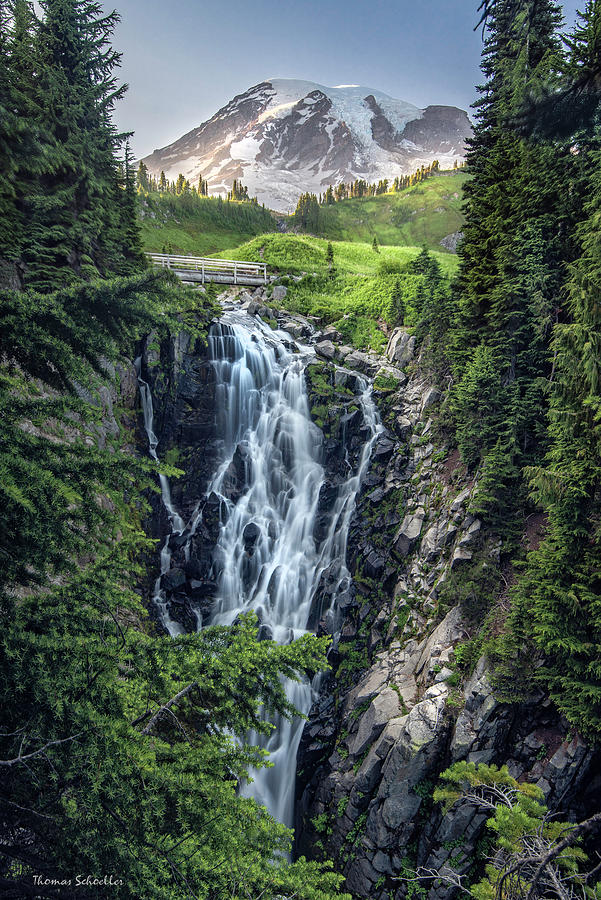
x=121 y=750
x=68 y=193
x=523 y=342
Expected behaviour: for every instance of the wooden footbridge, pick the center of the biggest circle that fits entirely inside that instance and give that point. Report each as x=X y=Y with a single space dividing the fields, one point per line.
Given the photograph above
x=198 y=269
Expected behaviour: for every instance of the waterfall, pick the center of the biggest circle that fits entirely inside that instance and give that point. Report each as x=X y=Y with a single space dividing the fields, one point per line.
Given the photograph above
x=177 y=524
x=267 y=558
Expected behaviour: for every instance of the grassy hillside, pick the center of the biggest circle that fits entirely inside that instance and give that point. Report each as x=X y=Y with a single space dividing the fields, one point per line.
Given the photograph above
x=365 y=295
x=199 y=226
x=295 y=253
x=423 y=214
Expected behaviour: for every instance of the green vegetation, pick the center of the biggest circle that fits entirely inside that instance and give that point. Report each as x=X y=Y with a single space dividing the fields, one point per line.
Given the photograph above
x=120 y=750
x=518 y=340
x=294 y=254
x=362 y=292
x=198 y=225
x=363 y=308
x=420 y=215
x=530 y=852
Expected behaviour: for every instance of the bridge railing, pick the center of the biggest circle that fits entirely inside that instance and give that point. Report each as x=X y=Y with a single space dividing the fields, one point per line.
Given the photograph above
x=226 y=270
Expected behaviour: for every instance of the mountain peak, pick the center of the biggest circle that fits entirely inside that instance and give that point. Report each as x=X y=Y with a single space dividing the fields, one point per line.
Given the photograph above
x=285 y=136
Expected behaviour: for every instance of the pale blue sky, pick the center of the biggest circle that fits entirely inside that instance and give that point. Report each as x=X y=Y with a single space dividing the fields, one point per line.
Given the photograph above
x=184 y=59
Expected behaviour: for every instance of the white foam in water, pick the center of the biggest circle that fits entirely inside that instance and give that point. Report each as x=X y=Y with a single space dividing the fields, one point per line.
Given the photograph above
x=263 y=411
x=263 y=406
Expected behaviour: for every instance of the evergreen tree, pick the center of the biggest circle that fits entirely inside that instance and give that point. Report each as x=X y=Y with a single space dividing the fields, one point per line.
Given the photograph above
x=330 y=256
x=163 y=183
x=129 y=223
x=72 y=231
x=374 y=245
x=142 y=177
x=306 y=214
x=20 y=132
x=514 y=235
x=557 y=603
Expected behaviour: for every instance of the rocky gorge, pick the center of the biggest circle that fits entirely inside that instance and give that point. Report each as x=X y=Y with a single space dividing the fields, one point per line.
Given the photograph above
x=407 y=693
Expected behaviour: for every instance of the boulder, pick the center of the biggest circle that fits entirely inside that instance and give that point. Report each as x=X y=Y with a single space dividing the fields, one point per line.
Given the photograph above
x=431 y=397
x=250 y=536
x=279 y=292
x=362 y=362
x=173 y=579
x=401 y=347
x=329 y=333
x=384 y=706
x=326 y=349
x=409 y=532
x=402 y=427
x=460 y=556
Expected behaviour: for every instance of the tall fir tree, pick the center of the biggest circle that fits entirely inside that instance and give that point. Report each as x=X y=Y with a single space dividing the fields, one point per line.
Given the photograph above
x=73 y=229
x=515 y=232
x=557 y=602
x=20 y=145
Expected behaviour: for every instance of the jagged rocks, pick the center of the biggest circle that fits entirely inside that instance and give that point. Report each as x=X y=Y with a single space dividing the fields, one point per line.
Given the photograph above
x=384 y=706
x=384 y=755
x=279 y=292
x=401 y=347
x=362 y=362
x=409 y=532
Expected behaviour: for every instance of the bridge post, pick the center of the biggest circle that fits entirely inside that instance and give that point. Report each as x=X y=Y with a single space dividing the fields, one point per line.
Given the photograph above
x=203 y=273
x=235 y=273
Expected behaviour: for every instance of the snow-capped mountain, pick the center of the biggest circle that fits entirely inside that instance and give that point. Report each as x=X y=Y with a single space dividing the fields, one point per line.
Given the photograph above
x=284 y=137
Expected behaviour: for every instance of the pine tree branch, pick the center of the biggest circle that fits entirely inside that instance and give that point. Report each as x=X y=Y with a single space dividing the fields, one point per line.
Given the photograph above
x=554 y=852
x=22 y=757
x=167 y=706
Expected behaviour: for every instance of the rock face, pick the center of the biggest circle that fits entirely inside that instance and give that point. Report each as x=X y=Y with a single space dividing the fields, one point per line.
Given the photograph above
x=401 y=347
x=397 y=708
x=182 y=382
x=284 y=137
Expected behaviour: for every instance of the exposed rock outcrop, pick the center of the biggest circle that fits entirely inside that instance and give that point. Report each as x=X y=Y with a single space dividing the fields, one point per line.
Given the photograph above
x=397 y=710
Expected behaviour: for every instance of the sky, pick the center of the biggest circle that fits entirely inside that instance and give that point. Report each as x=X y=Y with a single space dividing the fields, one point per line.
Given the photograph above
x=184 y=59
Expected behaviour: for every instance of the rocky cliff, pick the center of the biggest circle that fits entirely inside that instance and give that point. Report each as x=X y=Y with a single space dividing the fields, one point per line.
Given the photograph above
x=406 y=696
x=407 y=693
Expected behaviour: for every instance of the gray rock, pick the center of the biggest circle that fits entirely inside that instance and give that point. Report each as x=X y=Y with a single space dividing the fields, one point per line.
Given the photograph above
x=362 y=362
x=460 y=556
x=402 y=427
x=384 y=706
x=471 y=534
x=401 y=347
x=431 y=397
x=409 y=532
x=326 y=349
x=279 y=292
x=173 y=579
x=460 y=500
x=329 y=333
x=452 y=241
x=346 y=380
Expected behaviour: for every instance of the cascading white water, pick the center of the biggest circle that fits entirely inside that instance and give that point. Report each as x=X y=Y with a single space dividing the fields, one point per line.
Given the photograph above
x=267 y=558
x=177 y=523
